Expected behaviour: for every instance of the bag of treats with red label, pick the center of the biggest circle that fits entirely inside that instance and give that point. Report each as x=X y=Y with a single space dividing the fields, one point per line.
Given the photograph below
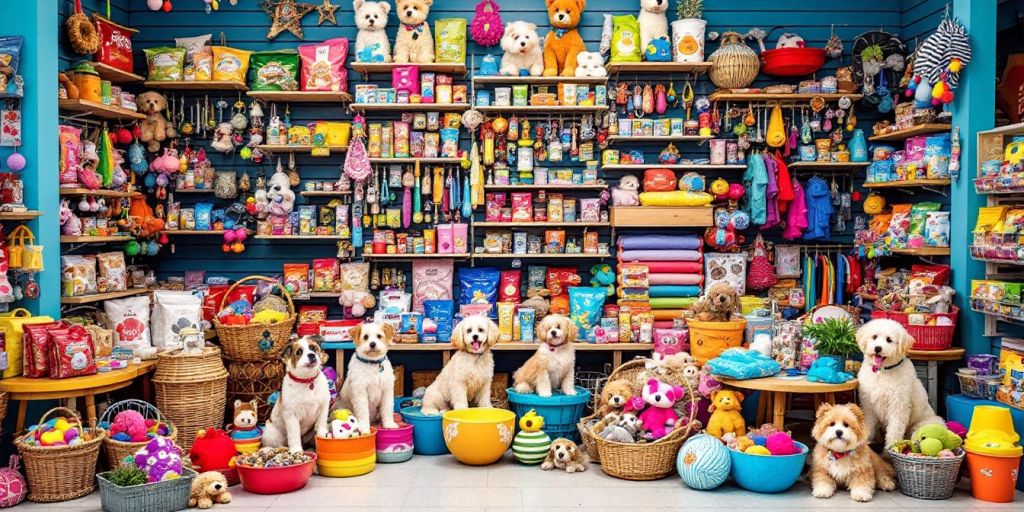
x=37 y=348
x=71 y=353
x=115 y=44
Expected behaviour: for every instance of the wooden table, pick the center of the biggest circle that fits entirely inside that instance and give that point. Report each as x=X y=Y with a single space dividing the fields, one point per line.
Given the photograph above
x=774 y=390
x=24 y=389
x=933 y=358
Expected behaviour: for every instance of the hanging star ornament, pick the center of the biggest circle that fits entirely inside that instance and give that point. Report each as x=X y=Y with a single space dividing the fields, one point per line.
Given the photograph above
x=285 y=15
x=326 y=12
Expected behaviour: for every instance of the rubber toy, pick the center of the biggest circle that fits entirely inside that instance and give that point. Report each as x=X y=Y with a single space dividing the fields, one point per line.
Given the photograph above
x=604 y=277
x=531 y=444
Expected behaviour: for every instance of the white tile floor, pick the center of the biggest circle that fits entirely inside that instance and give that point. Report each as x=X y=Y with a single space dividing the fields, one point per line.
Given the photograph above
x=438 y=483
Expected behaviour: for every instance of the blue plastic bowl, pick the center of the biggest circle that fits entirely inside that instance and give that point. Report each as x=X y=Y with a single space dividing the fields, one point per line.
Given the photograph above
x=561 y=412
x=427 y=434
x=767 y=474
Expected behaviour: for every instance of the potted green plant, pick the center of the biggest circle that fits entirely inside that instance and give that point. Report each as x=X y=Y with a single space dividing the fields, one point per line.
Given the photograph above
x=688 y=31
x=126 y=489
x=833 y=338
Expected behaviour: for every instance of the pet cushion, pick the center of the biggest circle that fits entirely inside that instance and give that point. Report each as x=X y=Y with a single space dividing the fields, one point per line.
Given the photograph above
x=738 y=363
x=660 y=255
x=660 y=242
x=675 y=198
x=674 y=267
x=674 y=291
x=683 y=279
x=673 y=302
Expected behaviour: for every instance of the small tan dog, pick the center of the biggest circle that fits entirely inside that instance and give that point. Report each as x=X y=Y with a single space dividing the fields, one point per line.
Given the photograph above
x=369 y=387
x=843 y=457
x=564 y=454
x=466 y=379
x=552 y=366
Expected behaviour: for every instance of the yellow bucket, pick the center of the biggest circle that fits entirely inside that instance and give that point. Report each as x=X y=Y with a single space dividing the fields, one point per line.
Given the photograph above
x=709 y=339
x=346 y=468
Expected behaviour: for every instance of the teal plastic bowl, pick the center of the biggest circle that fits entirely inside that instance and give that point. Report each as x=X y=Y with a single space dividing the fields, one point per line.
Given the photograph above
x=561 y=412
x=427 y=434
x=767 y=474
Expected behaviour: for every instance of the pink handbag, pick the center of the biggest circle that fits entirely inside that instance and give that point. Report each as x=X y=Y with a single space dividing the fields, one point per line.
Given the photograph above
x=486 y=26
x=760 y=272
x=406 y=78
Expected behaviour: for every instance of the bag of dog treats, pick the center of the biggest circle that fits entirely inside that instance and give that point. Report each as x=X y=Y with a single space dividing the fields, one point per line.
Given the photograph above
x=325 y=274
x=450 y=40
x=194 y=45
x=70 y=140
x=71 y=353
x=442 y=312
x=36 y=341
x=174 y=311
x=585 y=305
x=115 y=44
x=508 y=289
x=626 y=39
x=431 y=280
x=323 y=65
x=129 y=319
x=112 y=272
x=230 y=64
x=296 y=278
x=78 y=275
x=479 y=286
x=274 y=71
x=165 y=63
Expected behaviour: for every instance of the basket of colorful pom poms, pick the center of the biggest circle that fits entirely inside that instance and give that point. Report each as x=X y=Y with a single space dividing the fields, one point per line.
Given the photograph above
x=60 y=456
x=130 y=424
x=258 y=330
x=927 y=464
x=765 y=451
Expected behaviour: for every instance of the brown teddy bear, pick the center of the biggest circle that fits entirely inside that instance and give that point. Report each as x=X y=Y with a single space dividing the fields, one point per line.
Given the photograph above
x=614 y=396
x=563 y=43
x=155 y=128
x=719 y=304
x=209 y=488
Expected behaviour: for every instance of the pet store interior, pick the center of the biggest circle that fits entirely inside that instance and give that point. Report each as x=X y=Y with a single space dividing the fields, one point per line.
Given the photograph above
x=545 y=254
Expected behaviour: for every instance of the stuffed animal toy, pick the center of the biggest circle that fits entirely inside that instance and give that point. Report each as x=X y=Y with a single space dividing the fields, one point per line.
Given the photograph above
x=160 y=459
x=627 y=193
x=653 y=21
x=280 y=198
x=790 y=40
x=934 y=438
x=531 y=444
x=563 y=43
x=155 y=128
x=614 y=396
x=590 y=65
x=624 y=429
x=344 y=424
x=222 y=140
x=523 y=53
x=212 y=450
x=209 y=488
x=659 y=50
x=719 y=304
x=70 y=224
x=414 y=43
x=246 y=415
x=725 y=414
x=659 y=417
x=372 y=43
x=129 y=426
x=604 y=277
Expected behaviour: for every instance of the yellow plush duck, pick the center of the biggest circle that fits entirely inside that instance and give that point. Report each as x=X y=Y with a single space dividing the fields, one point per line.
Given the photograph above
x=531 y=444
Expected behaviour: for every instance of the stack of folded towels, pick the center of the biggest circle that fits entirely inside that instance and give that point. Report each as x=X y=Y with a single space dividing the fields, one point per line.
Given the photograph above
x=676 y=270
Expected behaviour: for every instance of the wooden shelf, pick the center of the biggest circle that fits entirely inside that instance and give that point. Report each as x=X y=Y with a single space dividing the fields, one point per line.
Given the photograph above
x=541 y=255
x=674 y=167
x=999 y=262
x=459 y=256
x=410 y=107
x=294 y=148
x=922 y=251
x=921 y=129
x=908 y=184
x=116 y=76
x=448 y=68
x=98 y=110
x=521 y=345
x=554 y=186
x=835 y=166
x=542 y=109
x=196 y=85
x=193 y=191
x=317 y=295
x=657 y=67
x=301 y=237
x=665 y=138
x=424 y=160
x=796 y=97
x=99 y=297
x=84 y=239
x=325 y=193
x=949 y=354
x=26 y=215
x=194 y=232
x=661 y=216
x=485 y=224
x=302 y=96
x=100 y=192
x=537 y=80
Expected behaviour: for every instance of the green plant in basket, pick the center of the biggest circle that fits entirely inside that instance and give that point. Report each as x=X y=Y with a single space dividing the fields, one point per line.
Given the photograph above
x=689 y=9
x=832 y=336
x=127 y=475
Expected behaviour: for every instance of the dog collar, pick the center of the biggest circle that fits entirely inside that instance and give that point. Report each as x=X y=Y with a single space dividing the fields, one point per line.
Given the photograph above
x=559 y=32
x=890 y=367
x=311 y=381
x=378 y=362
x=834 y=456
x=410 y=28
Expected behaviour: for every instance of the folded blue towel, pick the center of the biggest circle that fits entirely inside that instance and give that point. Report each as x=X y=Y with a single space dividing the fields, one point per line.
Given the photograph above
x=740 y=363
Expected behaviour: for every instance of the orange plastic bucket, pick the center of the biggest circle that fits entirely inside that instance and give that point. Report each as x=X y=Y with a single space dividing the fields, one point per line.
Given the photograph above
x=709 y=339
x=993 y=478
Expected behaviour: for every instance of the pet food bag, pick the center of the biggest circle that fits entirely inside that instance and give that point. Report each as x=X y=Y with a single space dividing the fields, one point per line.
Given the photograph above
x=626 y=39
x=323 y=65
x=129 y=319
x=115 y=44
x=12 y=325
x=71 y=353
x=479 y=286
x=174 y=311
x=230 y=64
x=112 y=272
x=78 y=275
x=585 y=305
x=431 y=280
x=450 y=40
x=194 y=45
x=726 y=268
x=274 y=71
x=165 y=63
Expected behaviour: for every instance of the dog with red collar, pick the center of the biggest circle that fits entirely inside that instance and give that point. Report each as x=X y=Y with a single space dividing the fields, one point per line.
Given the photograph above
x=842 y=456
x=305 y=401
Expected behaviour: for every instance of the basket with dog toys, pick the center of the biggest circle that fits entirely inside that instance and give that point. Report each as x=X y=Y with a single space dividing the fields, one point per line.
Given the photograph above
x=59 y=431
x=131 y=426
x=928 y=464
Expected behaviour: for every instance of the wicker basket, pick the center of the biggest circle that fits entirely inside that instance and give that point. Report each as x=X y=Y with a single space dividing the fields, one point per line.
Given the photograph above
x=927 y=478
x=640 y=461
x=191 y=391
x=928 y=336
x=255 y=342
x=165 y=496
x=249 y=380
x=734 y=64
x=115 y=450
x=61 y=473
x=4 y=399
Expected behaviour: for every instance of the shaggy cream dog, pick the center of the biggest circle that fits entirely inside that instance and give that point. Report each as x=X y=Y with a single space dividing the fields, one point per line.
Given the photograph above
x=653 y=21
x=842 y=456
x=414 y=43
x=890 y=393
x=372 y=43
x=467 y=377
x=552 y=366
x=305 y=401
x=522 y=48
x=564 y=454
x=369 y=388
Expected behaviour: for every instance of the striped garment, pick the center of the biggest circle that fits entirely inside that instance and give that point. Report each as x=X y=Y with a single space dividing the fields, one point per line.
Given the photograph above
x=531 y=447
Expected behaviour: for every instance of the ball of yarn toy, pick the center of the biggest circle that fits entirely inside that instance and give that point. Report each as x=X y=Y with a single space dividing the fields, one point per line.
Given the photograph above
x=130 y=423
x=160 y=459
x=703 y=462
x=780 y=443
x=757 y=450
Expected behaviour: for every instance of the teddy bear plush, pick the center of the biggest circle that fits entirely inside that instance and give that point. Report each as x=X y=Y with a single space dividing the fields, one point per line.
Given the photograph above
x=280 y=197
x=725 y=414
x=590 y=65
x=627 y=193
x=372 y=43
x=658 y=401
x=719 y=304
x=414 y=43
x=209 y=488
x=653 y=21
x=155 y=128
x=563 y=43
x=523 y=52
x=614 y=396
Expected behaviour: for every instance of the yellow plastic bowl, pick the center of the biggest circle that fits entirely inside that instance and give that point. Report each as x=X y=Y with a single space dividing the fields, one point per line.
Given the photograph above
x=346 y=468
x=479 y=435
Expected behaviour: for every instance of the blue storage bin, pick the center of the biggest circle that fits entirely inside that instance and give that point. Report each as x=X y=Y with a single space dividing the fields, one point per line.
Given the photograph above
x=427 y=433
x=767 y=474
x=561 y=412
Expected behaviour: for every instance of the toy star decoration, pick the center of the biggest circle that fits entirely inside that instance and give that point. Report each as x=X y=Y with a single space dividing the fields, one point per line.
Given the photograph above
x=285 y=15
x=326 y=12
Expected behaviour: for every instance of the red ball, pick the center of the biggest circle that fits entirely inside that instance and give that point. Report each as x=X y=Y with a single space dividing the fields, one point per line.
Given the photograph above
x=736 y=191
x=856 y=196
x=124 y=136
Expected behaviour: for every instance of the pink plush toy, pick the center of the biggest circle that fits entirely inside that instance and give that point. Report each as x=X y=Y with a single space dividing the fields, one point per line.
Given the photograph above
x=957 y=428
x=129 y=426
x=780 y=443
x=659 y=418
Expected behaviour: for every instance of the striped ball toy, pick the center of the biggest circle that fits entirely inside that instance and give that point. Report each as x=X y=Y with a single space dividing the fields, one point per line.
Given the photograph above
x=531 y=444
x=703 y=462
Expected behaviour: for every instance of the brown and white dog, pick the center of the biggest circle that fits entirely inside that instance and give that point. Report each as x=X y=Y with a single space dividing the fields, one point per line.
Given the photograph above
x=842 y=456
x=552 y=366
x=369 y=387
x=564 y=454
x=466 y=379
x=305 y=401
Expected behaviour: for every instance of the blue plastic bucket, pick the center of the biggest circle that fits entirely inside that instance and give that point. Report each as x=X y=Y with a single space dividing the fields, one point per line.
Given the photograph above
x=427 y=434
x=561 y=412
x=751 y=472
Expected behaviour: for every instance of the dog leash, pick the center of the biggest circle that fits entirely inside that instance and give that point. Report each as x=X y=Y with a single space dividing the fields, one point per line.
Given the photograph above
x=378 y=362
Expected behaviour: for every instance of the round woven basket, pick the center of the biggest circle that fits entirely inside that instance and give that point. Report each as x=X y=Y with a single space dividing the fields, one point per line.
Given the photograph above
x=927 y=478
x=255 y=342
x=61 y=473
x=640 y=461
x=116 y=451
x=191 y=391
x=249 y=380
x=734 y=64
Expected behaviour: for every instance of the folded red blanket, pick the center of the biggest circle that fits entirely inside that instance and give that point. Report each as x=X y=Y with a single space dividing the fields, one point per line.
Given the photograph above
x=680 y=267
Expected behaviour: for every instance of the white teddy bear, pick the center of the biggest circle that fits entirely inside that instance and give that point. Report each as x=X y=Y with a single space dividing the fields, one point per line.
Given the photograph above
x=522 y=49
x=372 y=43
x=628 y=191
x=280 y=198
x=653 y=21
x=590 y=64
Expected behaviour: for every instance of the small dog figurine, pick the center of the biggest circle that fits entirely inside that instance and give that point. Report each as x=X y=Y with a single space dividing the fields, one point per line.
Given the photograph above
x=305 y=400
x=564 y=454
x=842 y=456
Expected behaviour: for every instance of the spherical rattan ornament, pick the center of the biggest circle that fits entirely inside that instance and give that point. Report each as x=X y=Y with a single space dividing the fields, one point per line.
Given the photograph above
x=81 y=32
x=734 y=64
x=874 y=204
x=271 y=302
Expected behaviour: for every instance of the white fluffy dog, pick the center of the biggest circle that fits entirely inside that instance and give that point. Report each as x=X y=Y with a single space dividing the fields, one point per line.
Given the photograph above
x=369 y=387
x=372 y=43
x=522 y=48
x=653 y=21
x=467 y=377
x=890 y=393
x=305 y=401
x=552 y=366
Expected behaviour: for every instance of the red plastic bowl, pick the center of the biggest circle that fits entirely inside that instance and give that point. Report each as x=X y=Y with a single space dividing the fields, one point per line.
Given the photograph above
x=276 y=480
x=792 y=61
